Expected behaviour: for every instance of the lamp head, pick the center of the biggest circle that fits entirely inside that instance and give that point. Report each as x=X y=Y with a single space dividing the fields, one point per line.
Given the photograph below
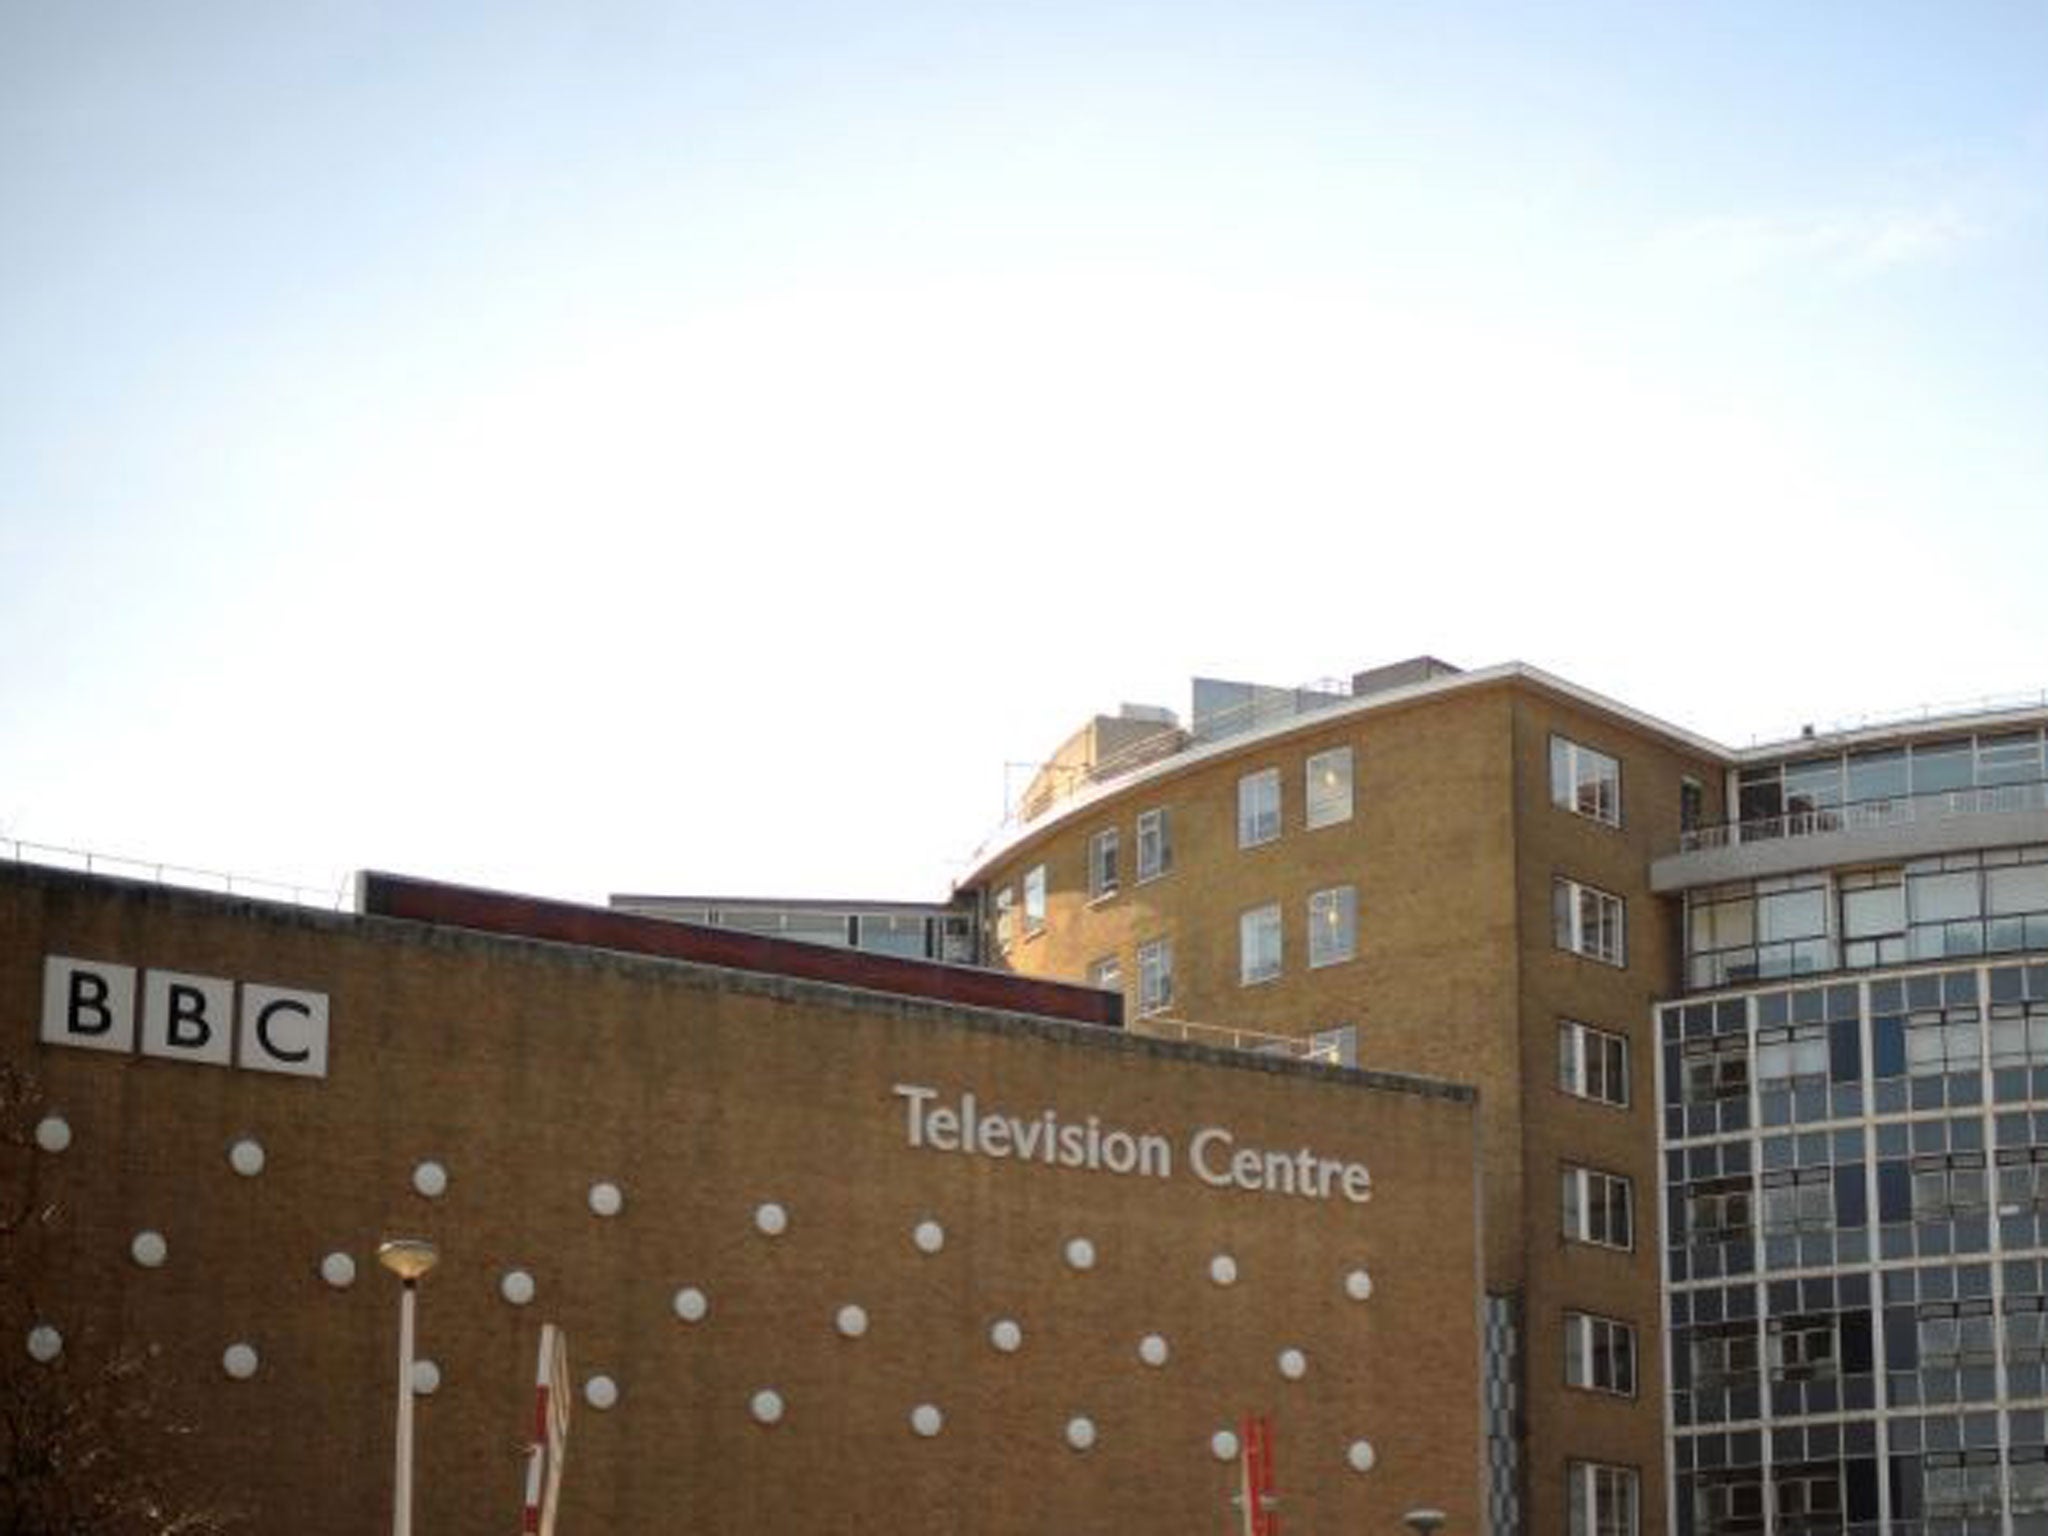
x=1424 y=1522
x=408 y=1257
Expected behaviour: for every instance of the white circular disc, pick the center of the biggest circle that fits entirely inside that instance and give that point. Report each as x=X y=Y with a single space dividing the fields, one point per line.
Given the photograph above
x=1223 y=1445
x=246 y=1157
x=430 y=1179
x=426 y=1378
x=929 y=1236
x=926 y=1419
x=852 y=1321
x=1358 y=1285
x=516 y=1287
x=691 y=1304
x=338 y=1270
x=1152 y=1349
x=1080 y=1253
x=1361 y=1456
x=1293 y=1364
x=45 y=1343
x=1081 y=1432
x=600 y=1392
x=1006 y=1336
x=53 y=1133
x=606 y=1199
x=149 y=1249
x=766 y=1406
x=771 y=1219
x=239 y=1361
x=1223 y=1269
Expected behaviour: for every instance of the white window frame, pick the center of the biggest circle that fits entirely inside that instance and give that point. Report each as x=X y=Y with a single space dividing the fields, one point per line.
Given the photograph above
x=1584 y=1335
x=1006 y=916
x=1155 y=976
x=1580 y=1185
x=1034 y=900
x=1602 y=1499
x=1336 y=1046
x=1258 y=808
x=1155 y=844
x=1585 y=781
x=1589 y=922
x=1261 y=945
x=1578 y=1046
x=1326 y=788
x=1107 y=974
x=1104 y=853
x=1332 y=926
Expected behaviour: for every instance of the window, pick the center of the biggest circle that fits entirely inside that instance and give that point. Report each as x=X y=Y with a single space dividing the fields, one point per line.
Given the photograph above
x=1799 y=1200
x=1102 y=856
x=1956 y=1485
x=1803 y=1348
x=1956 y=1335
x=1873 y=917
x=1599 y=1208
x=1107 y=974
x=1034 y=900
x=1588 y=922
x=1006 y=917
x=1718 y=1210
x=1591 y=1063
x=1728 y=1503
x=1724 y=1355
x=1337 y=1046
x=1155 y=845
x=1333 y=925
x=1258 y=945
x=1791 y=1057
x=1692 y=804
x=1949 y=1186
x=1155 y=976
x=1258 y=808
x=1329 y=787
x=1585 y=781
x=1601 y=1500
x=1808 y=1498
x=1716 y=1069
x=1599 y=1354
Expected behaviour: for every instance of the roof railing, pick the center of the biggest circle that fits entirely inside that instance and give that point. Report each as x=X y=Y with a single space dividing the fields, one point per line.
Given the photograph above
x=1227 y=1037
x=1868 y=815
x=159 y=872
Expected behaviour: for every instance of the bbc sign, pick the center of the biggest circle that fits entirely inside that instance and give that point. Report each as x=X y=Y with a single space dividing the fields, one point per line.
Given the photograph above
x=213 y=1020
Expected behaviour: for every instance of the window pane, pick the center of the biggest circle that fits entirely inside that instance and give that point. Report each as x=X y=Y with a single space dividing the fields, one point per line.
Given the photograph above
x=1943 y=898
x=1877 y=775
x=1333 y=925
x=2009 y=759
x=1329 y=787
x=1942 y=765
x=1786 y=915
x=2017 y=888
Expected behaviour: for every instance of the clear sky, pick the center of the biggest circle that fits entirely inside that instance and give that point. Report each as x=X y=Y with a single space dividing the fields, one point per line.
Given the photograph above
x=694 y=447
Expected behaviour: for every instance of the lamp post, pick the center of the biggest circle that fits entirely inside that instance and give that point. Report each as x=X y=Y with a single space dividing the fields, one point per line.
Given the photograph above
x=1424 y=1522
x=408 y=1258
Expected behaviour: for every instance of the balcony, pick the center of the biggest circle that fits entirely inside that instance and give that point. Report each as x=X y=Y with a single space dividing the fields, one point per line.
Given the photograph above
x=1888 y=830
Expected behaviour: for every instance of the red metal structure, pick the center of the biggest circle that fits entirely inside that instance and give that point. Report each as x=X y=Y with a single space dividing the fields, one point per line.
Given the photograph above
x=1256 y=1493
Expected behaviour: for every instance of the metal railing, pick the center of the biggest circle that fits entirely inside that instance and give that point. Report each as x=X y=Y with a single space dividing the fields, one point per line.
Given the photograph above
x=1230 y=1038
x=1916 y=714
x=1868 y=815
x=184 y=876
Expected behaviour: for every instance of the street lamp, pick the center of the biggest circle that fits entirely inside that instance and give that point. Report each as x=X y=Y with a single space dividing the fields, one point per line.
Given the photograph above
x=1424 y=1522
x=408 y=1258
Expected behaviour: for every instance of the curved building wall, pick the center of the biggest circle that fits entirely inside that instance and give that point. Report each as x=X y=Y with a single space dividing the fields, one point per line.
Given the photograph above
x=1456 y=851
